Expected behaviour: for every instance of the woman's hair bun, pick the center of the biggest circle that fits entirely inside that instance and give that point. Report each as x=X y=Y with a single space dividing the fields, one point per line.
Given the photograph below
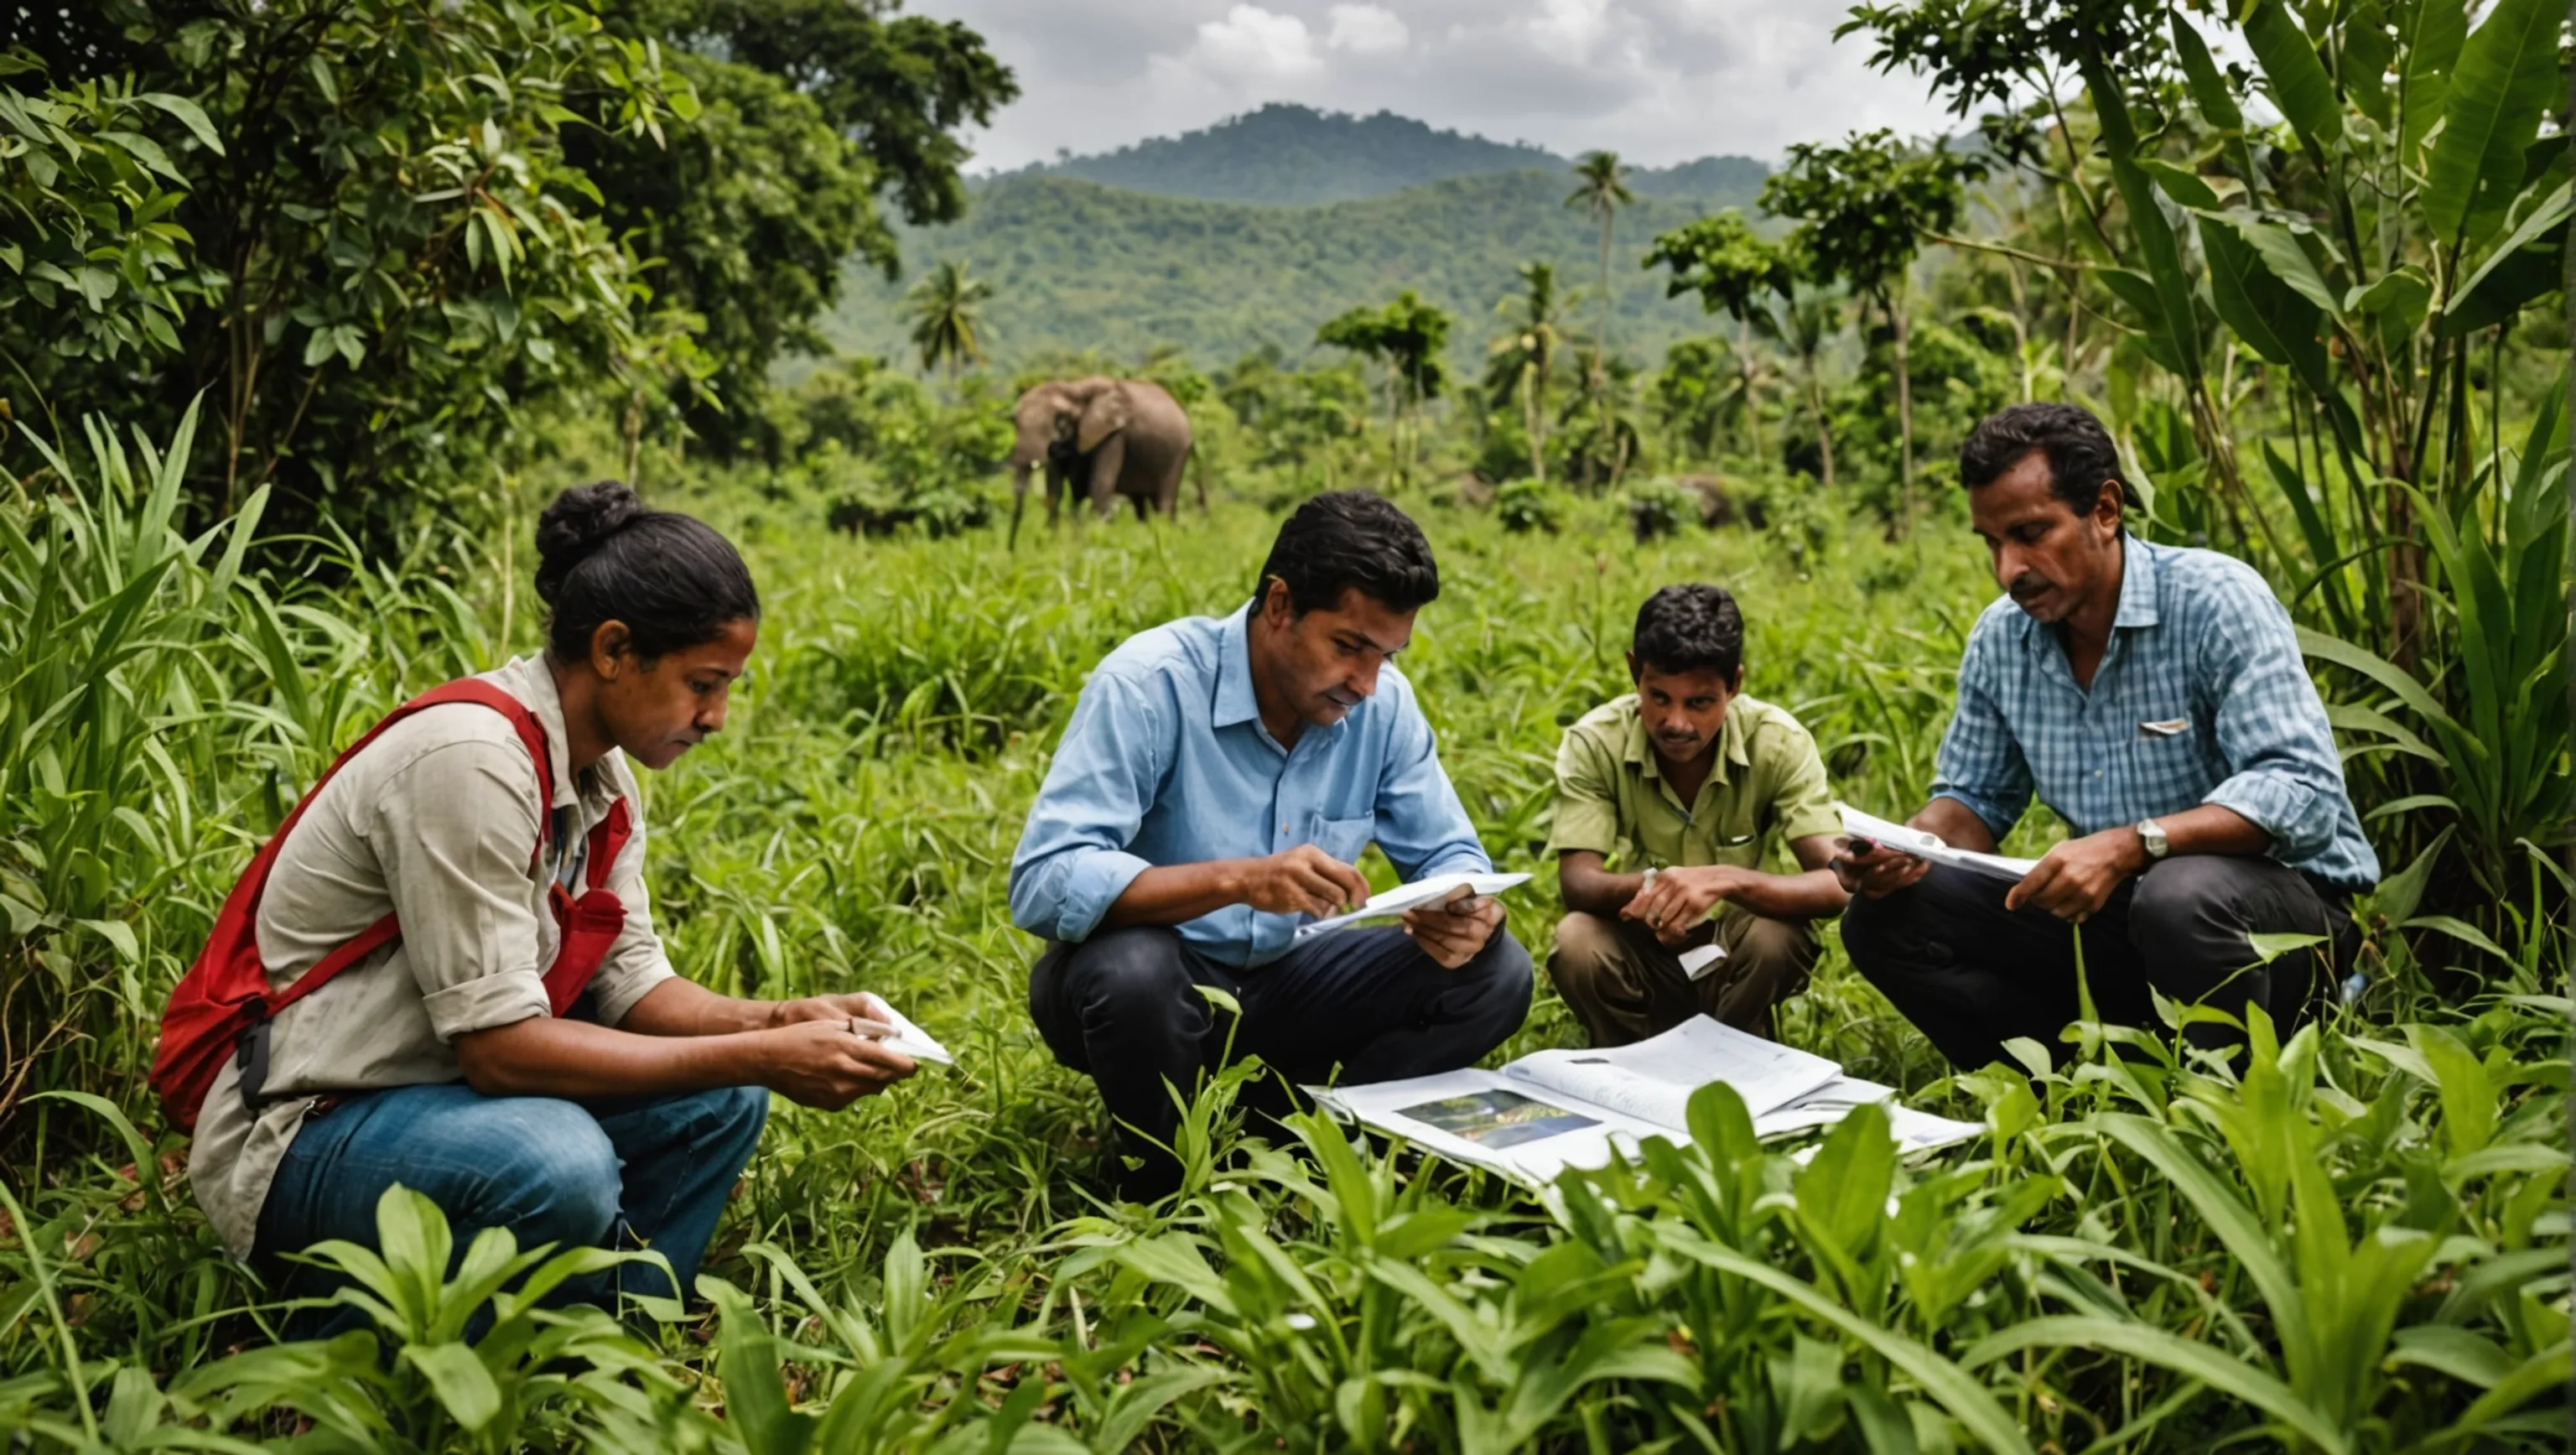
x=575 y=524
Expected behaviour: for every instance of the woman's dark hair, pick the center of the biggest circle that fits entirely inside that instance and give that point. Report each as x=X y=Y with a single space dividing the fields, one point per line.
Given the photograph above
x=602 y=556
x=1346 y=540
x=1690 y=629
x=2081 y=457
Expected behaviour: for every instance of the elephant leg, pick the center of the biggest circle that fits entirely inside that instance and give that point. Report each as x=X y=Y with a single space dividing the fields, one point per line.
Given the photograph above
x=1056 y=481
x=1105 y=465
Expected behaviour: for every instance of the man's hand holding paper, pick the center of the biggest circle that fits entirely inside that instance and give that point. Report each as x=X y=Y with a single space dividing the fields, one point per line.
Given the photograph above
x=1454 y=929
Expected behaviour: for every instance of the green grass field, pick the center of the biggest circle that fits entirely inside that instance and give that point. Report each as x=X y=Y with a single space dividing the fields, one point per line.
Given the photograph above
x=2362 y=1246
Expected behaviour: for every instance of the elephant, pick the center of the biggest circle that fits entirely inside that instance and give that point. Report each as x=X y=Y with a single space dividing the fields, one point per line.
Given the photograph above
x=1107 y=437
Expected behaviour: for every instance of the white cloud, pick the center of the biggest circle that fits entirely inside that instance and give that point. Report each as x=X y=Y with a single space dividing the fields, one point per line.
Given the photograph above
x=1367 y=30
x=1658 y=81
x=1252 y=44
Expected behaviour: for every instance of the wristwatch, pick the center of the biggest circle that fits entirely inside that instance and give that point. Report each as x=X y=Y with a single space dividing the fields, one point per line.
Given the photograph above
x=2152 y=834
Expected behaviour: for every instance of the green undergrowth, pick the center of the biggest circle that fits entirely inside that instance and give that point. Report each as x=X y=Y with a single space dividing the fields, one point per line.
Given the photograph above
x=2359 y=1243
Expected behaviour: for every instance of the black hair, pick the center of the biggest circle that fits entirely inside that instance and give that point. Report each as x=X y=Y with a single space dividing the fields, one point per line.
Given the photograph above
x=1345 y=540
x=2081 y=457
x=1690 y=629
x=603 y=556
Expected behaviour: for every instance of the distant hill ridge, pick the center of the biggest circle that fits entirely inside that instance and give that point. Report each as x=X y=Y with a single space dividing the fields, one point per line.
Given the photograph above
x=1079 y=265
x=1289 y=155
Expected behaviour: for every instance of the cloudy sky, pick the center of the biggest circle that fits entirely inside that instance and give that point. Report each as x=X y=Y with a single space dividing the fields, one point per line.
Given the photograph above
x=1659 y=81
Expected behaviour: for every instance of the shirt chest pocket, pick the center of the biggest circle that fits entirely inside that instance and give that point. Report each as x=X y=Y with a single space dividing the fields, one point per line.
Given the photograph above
x=1343 y=838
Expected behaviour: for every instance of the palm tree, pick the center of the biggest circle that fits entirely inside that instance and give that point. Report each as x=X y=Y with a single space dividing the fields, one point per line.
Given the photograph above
x=1601 y=188
x=947 y=318
x=1524 y=358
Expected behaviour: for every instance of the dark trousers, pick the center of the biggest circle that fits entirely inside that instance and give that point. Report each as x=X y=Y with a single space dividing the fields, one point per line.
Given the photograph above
x=1123 y=1007
x=1972 y=975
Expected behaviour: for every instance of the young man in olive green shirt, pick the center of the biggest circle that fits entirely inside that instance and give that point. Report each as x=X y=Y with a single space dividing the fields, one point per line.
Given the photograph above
x=1689 y=784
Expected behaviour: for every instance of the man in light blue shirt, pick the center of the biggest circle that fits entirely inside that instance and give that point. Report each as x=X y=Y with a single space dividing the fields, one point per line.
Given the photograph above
x=1215 y=785
x=2154 y=696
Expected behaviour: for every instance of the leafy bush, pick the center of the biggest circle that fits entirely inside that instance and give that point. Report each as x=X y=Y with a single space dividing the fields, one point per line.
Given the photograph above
x=1658 y=507
x=1524 y=506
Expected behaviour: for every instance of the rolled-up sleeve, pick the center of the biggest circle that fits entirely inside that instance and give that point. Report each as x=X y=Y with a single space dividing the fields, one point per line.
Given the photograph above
x=1421 y=826
x=453 y=830
x=1072 y=863
x=1980 y=763
x=2284 y=775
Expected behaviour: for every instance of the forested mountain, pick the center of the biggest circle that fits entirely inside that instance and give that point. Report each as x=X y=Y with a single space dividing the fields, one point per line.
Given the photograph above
x=1292 y=155
x=1077 y=265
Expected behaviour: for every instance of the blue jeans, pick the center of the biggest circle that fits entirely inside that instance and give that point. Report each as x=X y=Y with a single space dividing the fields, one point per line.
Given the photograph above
x=623 y=1172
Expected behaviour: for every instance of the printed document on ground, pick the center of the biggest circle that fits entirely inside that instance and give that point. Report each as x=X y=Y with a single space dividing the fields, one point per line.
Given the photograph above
x=1557 y=1109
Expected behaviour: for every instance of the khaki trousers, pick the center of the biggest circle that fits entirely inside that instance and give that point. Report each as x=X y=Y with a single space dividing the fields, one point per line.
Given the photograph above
x=1625 y=985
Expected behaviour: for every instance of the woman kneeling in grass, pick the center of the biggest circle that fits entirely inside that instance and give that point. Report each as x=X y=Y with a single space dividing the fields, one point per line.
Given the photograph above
x=508 y=1037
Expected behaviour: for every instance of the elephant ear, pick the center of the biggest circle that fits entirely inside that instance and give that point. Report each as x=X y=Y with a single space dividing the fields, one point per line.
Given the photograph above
x=1104 y=416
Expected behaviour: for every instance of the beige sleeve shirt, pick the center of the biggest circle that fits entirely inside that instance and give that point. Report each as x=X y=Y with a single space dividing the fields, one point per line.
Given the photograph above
x=435 y=822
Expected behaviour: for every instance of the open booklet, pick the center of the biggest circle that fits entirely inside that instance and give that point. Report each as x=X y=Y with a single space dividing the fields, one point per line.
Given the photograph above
x=1924 y=846
x=1404 y=897
x=1557 y=1109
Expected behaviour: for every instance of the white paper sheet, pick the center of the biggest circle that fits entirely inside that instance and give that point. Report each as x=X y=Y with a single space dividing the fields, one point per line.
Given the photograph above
x=1403 y=897
x=1697 y=963
x=1521 y=1131
x=1652 y=1080
x=1924 y=846
x=911 y=1039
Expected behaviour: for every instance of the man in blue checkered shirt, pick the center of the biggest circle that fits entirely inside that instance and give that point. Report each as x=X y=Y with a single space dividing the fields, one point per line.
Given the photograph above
x=2155 y=698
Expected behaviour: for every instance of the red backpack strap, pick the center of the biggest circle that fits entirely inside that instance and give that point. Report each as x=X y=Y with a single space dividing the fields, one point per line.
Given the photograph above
x=374 y=937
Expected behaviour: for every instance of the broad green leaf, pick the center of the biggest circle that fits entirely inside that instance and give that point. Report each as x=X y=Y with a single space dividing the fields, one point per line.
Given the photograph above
x=2227 y=1373
x=2269 y=947
x=2172 y=316
x=465 y=1388
x=2467 y=1093
x=1962 y=1396
x=2503 y=85
x=2344 y=654
x=190 y=115
x=1843 y=1192
x=2281 y=253
x=754 y=1393
x=2271 y=317
x=2209 y=89
x=2524 y=267
x=2428 y=46
x=2460 y=930
x=2296 y=77
x=2400 y=294
x=2180 y=183
x=1138 y=1402
x=118 y=934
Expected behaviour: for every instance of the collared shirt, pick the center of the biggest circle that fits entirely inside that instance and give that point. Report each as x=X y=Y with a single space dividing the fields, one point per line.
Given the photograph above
x=1165 y=762
x=1612 y=797
x=434 y=822
x=2201 y=697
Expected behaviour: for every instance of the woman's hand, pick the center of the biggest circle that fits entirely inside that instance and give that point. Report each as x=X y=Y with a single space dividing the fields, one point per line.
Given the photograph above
x=822 y=1063
x=864 y=1005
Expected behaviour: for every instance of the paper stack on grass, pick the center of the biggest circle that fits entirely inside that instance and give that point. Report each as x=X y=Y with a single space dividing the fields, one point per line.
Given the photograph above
x=1557 y=1109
